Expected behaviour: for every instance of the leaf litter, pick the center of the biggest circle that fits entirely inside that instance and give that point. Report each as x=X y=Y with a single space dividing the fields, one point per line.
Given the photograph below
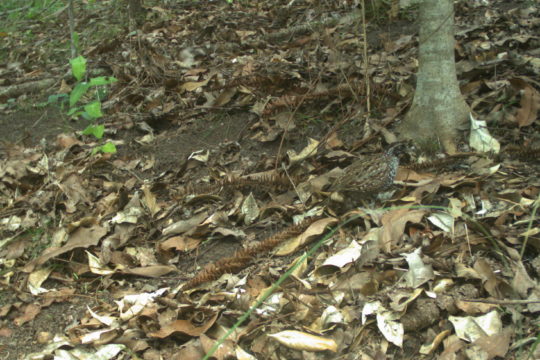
x=225 y=117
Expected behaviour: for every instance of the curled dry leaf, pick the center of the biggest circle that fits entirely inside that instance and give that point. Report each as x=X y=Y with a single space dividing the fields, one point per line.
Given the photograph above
x=315 y=229
x=184 y=226
x=529 y=104
x=302 y=341
x=394 y=224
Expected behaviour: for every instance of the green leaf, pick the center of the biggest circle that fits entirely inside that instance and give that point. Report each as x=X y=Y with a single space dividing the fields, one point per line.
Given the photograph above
x=94 y=109
x=73 y=110
x=108 y=148
x=57 y=98
x=96 y=130
x=102 y=80
x=78 y=67
x=85 y=116
x=79 y=90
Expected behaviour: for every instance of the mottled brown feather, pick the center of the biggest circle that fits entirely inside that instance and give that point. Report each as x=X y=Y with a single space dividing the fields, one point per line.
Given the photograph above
x=370 y=175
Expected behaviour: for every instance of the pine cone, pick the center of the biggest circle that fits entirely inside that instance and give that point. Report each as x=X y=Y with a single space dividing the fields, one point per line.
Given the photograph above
x=370 y=175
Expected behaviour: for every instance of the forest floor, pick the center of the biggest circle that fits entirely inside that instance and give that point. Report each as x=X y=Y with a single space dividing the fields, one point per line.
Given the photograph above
x=229 y=120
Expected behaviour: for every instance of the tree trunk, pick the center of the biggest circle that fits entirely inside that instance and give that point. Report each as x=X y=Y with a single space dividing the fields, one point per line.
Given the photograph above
x=135 y=13
x=438 y=107
x=71 y=17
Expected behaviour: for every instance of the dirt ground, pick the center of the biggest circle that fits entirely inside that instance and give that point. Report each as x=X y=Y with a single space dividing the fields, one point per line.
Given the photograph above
x=171 y=150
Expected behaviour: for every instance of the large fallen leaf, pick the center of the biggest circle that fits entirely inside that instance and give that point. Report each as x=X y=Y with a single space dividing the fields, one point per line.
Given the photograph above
x=153 y=271
x=386 y=322
x=194 y=85
x=249 y=209
x=309 y=151
x=75 y=191
x=303 y=341
x=394 y=222
x=480 y=139
x=186 y=327
x=100 y=337
x=314 y=230
x=341 y=259
x=529 y=104
x=36 y=278
x=150 y=200
x=419 y=273
x=132 y=305
x=29 y=312
x=82 y=237
x=471 y=328
x=180 y=243
x=184 y=226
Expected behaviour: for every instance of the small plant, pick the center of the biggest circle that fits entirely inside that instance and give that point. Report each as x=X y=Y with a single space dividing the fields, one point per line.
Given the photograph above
x=17 y=10
x=91 y=111
x=39 y=240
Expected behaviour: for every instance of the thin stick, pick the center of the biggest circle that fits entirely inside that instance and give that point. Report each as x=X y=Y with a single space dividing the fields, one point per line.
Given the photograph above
x=503 y=302
x=366 y=71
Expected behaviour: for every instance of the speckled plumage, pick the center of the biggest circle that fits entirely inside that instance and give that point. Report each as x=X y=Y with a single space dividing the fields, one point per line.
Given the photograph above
x=370 y=175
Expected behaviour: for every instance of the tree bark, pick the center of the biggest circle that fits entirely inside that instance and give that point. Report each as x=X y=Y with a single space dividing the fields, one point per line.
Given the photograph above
x=135 y=13
x=71 y=16
x=438 y=108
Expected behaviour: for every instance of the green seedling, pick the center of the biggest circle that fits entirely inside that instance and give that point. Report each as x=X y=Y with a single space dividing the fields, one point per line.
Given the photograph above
x=90 y=111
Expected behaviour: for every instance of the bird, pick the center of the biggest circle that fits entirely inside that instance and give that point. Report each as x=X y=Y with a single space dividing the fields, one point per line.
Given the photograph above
x=368 y=176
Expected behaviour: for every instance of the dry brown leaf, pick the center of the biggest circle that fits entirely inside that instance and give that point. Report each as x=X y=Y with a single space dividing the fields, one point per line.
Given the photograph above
x=64 y=141
x=194 y=85
x=186 y=327
x=314 y=230
x=404 y=174
x=61 y=295
x=529 y=104
x=394 y=223
x=100 y=337
x=185 y=226
x=75 y=191
x=475 y=308
x=492 y=284
x=224 y=351
x=496 y=345
x=153 y=271
x=81 y=238
x=15 y=249
x=150 y=200
x=303 y=341
x=30 y=311
x=180 y=243
x=224 y=97
x=192 y=350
